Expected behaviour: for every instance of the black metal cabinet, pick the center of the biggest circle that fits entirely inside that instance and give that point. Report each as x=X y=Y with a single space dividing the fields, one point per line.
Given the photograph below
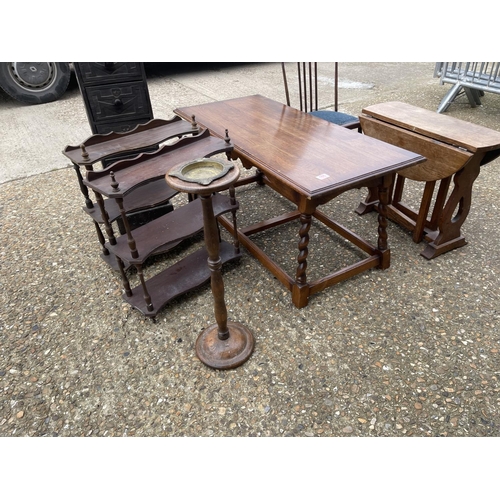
x=115 y=95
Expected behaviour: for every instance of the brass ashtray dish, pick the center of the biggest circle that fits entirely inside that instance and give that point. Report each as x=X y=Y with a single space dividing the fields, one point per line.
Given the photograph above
x=202 y=171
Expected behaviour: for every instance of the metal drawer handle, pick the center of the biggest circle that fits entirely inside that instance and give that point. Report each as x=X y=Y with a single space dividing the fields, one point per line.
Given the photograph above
x=118 y=103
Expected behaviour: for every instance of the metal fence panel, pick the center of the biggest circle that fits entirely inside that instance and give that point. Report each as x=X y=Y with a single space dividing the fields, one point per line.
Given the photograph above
x=471 y=78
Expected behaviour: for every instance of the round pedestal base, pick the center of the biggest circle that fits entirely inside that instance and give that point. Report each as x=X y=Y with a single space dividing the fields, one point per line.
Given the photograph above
x=225 y=354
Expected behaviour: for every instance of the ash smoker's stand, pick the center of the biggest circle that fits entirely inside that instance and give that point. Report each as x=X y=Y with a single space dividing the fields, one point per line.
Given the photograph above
x=225 y=344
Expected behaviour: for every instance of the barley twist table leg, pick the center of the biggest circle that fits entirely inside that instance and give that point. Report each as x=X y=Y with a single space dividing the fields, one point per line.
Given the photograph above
x=300 y=275
x=383 y=194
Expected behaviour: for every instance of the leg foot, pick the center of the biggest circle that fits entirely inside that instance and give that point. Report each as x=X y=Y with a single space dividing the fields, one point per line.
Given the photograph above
x=370 y=202
x=432 y=250
x=225 y=354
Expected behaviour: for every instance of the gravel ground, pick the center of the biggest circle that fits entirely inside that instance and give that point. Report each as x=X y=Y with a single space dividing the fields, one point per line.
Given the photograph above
x=410 y=351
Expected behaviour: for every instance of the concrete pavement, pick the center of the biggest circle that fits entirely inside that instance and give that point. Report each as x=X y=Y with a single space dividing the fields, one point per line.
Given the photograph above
x=409 y=351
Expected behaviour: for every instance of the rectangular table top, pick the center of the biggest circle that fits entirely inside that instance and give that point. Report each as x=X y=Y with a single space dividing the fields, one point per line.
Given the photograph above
x=444 y=128
x=310 y=155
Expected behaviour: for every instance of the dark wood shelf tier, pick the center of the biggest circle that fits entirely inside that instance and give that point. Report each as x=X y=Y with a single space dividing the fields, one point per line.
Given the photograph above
x=130 y=174
x=175 y=226
x=184 y=276
x=145 y=197
x=111 y=261
x=101 y=146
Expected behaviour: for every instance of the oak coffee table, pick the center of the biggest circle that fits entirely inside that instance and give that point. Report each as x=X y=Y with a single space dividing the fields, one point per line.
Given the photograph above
x=309 y=161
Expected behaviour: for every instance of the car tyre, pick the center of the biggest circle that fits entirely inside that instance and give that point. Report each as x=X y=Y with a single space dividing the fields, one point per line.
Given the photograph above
x=35 y=83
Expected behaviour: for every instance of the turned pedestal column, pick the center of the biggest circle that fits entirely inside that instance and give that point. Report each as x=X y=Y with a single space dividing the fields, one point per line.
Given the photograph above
x=225 y=344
